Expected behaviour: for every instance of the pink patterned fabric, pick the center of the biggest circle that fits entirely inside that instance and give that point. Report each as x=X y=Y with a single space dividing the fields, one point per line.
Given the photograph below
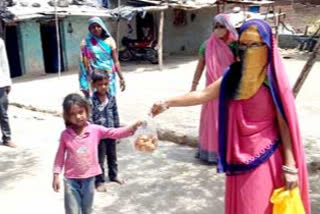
x=218 y=57
x=249 y=193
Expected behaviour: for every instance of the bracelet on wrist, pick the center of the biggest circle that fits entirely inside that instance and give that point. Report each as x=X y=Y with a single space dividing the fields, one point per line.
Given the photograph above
x=288 y=169
x=195 y=82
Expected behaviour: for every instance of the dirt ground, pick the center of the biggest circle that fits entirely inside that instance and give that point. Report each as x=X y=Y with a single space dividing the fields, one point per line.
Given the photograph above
x=169 y=181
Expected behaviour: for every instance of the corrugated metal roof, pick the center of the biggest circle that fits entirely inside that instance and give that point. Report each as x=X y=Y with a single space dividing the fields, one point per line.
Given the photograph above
x=25 y=9
x=183 y=4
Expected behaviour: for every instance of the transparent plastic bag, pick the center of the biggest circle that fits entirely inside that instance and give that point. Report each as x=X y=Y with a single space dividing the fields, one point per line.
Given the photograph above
x=146 y=139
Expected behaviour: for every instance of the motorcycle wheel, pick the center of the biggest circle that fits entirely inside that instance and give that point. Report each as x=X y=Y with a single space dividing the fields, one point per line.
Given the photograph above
x=151 y=55
x=125 y=55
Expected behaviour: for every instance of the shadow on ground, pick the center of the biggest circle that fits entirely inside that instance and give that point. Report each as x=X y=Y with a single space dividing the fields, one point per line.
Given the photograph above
x=314 y=181
x=296 y=54
x=169 y=181
x=15 y=165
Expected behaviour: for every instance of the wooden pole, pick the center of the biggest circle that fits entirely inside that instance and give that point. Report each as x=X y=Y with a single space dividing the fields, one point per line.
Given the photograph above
x=276 y=22
x=118 y=26
x=118 y=34
x=306 y=69
x=2 y=7
x=58 y=37
x=1 y=30
x=160 y=40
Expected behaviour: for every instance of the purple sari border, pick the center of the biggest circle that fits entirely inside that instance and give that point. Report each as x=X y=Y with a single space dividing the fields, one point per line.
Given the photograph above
x=232 y=169
x=223 y=118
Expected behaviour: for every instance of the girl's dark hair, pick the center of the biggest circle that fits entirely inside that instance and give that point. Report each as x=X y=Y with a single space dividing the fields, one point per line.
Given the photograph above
x=98 y=75
x=69 y=101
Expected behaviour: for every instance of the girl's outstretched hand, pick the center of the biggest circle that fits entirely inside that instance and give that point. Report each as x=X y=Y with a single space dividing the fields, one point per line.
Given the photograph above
x=56 y=183
x=136 y=125
x=158 y=108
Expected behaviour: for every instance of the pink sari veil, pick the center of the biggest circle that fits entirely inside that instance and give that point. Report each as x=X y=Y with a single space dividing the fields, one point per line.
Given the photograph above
x=288 y=104
x=218 y=57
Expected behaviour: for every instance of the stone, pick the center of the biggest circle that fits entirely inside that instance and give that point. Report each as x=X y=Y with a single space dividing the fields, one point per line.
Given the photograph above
x=24 y=4
x=36 y=4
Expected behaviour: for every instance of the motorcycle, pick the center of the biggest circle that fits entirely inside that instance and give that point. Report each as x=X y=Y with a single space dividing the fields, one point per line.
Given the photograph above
x=138 y=50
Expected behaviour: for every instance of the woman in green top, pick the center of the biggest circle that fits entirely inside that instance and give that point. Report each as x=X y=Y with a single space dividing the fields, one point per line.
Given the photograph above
x=215 y=54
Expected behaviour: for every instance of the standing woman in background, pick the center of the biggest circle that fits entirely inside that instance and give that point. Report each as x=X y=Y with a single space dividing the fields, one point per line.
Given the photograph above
x=98 y=51
x=215 y=54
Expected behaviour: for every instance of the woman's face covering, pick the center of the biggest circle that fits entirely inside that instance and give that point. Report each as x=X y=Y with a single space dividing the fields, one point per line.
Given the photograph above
x=220 y=30
x=96 y=29
x=252 y=45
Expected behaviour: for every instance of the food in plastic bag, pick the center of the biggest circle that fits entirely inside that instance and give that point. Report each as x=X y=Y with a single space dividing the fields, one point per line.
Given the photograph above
x=145 y=143
x=146 y=139
x=287 y=201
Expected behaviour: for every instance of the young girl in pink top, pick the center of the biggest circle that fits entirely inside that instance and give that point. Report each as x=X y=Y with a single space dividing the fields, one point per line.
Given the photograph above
x=77 y=154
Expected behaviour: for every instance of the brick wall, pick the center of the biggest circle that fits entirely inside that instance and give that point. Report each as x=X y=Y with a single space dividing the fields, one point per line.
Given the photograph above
x=300 y=15
x=317 y=2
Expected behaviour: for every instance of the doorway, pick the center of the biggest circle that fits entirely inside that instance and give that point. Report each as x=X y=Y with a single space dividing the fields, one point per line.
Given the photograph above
x=145 y=28
x=50 y=47
x=12 y=47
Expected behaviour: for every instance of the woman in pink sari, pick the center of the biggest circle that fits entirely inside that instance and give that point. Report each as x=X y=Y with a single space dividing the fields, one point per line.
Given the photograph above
x=216 y=54
x=260 y=147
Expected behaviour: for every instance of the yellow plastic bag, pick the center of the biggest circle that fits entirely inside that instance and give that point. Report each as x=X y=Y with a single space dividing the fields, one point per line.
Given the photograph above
x=287 y=201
